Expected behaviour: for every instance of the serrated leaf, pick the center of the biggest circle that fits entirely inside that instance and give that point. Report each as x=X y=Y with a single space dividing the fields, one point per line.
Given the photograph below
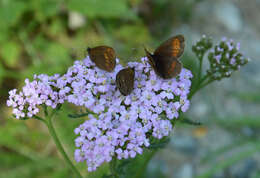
x=10 y=52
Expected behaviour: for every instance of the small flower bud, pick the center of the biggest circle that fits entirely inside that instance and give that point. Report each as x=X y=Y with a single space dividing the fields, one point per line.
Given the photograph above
x=225 y=59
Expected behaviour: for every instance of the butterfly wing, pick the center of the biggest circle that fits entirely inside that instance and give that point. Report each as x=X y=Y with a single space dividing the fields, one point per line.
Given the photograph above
x=125 y=80
x=173 y=47
x=174 y=69
x=167 y=67
x=104 y=57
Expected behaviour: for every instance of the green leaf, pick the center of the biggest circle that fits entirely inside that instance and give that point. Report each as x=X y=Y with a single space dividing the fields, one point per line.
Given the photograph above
x=101 y=8
x=135 y=167
x=253 y=97
x=45 y=8
x=238 y=122
x=4 y=35
x=82 y=114
x=228 y=161
x=75 y=116
x=10 y=52
x=139 y=32
x=2 y=73
x=30 y=169
x=11 y=159
x=215 y=154
x=188 y=121
x=11 y=11
x=56 y=54
x=55 y=58
x=159 y=144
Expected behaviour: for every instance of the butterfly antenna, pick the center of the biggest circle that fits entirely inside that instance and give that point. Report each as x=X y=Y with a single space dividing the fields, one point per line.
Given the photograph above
x=145 y=49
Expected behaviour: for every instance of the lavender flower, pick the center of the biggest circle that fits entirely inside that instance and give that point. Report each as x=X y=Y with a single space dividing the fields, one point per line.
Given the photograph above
x=120 y=126
x=130 y=120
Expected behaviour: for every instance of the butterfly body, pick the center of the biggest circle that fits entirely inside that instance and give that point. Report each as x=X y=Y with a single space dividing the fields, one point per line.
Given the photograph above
x=104 y=57
x=165 y=60
x=125 y=80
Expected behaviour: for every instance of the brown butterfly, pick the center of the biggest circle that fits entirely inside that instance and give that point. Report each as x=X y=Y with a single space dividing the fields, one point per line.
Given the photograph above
x=125 y=80
x=104 y=57
x=165 y=60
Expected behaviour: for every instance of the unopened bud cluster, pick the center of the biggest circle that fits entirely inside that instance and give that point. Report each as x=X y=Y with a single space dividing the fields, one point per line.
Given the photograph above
x=224 y=59
x=202 y=46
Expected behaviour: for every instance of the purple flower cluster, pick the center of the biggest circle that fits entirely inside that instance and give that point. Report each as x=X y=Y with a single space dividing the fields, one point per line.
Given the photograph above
x=119 y=126
x=225 y=58
x=40 y=91
x=124 y=125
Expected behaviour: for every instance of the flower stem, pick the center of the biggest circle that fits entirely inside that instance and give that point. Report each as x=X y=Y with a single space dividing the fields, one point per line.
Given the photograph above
x=200 y=86
x=59 y=146
x=200 y=68
x=205 y=84
x=140 y=171
x=112 y=166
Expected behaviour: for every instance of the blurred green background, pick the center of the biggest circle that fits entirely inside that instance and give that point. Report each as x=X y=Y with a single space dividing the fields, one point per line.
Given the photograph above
x=46 y=36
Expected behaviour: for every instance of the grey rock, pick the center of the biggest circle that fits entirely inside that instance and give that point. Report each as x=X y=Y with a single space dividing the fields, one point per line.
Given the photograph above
x=184 y=144
x=244 y=169
x=229 y=16
x=186 y=171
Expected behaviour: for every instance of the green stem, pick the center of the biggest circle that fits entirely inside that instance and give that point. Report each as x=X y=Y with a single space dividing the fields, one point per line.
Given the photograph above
x=51 y=129
x=140 y=172
x=112 y=167
x=40 y=119
x=200 y=67
x=200 y=86
x=205 y=84
x=204 y=78
x=200 y=80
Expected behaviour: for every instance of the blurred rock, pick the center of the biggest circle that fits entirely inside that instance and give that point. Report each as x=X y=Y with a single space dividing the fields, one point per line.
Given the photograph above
x=244 y=169
x=157 y=168
x=184 y=144
x=228 y=15
x=186 y=171
x=247 y=131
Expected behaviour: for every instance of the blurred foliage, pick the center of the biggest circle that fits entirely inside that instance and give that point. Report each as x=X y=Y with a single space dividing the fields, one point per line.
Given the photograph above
x=46 y=36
